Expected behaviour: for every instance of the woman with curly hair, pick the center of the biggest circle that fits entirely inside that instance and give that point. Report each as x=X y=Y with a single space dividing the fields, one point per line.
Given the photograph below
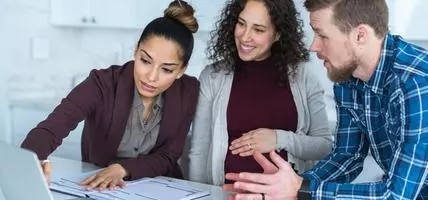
x=257 y=95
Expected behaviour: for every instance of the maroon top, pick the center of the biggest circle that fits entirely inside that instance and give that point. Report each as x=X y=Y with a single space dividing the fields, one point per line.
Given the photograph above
x=104 y=101
x=257 y=101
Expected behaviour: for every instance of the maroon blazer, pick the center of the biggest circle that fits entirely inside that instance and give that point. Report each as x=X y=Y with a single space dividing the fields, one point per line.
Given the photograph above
x=104 y=101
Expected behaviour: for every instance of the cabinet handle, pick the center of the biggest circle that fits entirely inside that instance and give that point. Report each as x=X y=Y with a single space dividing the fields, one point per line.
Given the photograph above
x=84 y=20
x=93 y=20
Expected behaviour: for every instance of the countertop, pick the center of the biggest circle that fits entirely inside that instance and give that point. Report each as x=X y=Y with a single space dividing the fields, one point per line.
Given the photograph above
x=37 y=102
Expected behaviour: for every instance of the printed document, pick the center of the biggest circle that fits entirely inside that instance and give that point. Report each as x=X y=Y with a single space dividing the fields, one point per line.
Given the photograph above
x=142 y=189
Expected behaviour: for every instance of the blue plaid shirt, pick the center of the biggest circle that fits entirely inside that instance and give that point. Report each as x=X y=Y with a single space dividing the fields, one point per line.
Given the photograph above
x=389 y=115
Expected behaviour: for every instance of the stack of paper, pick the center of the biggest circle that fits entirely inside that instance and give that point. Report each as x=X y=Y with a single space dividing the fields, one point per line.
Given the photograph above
x=146 y=188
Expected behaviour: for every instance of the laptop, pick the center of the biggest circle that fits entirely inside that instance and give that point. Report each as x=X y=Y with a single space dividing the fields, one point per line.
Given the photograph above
x=21 y=175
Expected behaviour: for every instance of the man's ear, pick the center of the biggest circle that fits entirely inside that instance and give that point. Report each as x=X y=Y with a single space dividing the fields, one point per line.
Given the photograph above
x=362 y=33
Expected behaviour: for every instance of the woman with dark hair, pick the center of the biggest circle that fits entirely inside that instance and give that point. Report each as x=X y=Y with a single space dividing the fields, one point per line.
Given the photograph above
x=137 y=115
x=257 y=95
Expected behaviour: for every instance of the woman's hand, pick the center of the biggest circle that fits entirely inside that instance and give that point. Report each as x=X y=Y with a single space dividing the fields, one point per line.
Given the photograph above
x=111 y=177
x=262 y=140
x=47 y=170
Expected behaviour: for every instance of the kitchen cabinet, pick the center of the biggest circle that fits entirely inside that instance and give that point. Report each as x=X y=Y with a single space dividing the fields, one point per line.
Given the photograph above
x=131 y=14
x=95 y=13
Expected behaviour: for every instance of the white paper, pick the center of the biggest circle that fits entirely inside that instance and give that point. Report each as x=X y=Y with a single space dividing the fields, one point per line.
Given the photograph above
x=142 y=189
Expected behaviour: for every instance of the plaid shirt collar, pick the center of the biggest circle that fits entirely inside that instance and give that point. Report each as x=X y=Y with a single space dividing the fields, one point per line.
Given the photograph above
x=377 y=81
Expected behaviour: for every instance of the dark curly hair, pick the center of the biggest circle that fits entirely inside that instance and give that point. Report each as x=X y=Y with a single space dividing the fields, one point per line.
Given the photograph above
x=287 y=53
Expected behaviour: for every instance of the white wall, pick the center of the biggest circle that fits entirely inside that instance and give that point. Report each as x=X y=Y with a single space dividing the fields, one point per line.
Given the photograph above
x=3 y=76
x=422 y=43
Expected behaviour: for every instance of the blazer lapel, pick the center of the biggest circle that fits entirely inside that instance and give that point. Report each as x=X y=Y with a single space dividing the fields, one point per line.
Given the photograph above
x=122 y=107
x=171 y=112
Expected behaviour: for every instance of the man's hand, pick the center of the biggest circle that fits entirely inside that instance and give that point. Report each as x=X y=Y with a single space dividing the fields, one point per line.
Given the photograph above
x=111 y=177
x=279 y=181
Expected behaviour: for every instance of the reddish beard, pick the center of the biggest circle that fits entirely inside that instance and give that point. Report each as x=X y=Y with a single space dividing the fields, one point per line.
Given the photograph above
x=340 y=74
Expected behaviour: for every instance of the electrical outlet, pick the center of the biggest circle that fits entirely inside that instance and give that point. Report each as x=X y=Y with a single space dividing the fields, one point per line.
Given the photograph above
x=40 y=48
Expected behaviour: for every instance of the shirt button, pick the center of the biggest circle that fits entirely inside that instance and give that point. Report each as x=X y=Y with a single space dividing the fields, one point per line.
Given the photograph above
x=136 y=149
x=367 y=107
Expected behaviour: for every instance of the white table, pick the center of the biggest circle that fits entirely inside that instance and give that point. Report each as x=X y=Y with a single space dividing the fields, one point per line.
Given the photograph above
x=62 y=166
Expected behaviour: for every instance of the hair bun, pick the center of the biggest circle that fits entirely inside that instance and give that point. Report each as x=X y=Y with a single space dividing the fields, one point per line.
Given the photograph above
x=182 y=12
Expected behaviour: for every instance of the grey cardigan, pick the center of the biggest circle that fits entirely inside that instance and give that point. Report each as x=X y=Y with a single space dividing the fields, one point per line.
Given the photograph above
x=209 y=137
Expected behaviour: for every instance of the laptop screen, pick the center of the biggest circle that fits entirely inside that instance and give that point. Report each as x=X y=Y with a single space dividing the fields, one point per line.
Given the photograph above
x=21 y=176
